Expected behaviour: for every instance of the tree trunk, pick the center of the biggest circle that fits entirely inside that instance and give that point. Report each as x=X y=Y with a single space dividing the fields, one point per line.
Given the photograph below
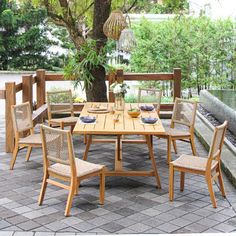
x=98 y=91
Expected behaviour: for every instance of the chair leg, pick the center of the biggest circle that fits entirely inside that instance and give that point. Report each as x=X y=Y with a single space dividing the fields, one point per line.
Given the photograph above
x=168 y=149
x=70 y=198
x=62 y=125
x=43 y=189
x=210 y=188
x=175 y=146
x=171 y=182
x=28 y=153
x=193 y=146
x=72 y=128
x=76 y=190
x=77 y=187
x=102 y=187
x=14 y=155
x=220 y=179
x=182 y=175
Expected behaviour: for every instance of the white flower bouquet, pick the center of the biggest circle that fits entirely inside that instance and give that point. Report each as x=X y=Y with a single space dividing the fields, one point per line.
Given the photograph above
x=119 y=89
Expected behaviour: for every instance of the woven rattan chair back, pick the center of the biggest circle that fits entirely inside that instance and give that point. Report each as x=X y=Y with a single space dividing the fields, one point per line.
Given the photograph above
x=59 y=102
x=57 y=147
x=155 y=93
x=22 y=117
x=217 y=142
x=184 y=112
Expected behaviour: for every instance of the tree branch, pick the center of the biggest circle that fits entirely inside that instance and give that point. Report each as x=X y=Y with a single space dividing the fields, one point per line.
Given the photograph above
x=81 y=14
x=130 y=8
x=58 y=20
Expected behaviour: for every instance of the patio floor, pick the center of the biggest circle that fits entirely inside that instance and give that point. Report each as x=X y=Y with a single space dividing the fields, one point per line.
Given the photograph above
x=132 y=205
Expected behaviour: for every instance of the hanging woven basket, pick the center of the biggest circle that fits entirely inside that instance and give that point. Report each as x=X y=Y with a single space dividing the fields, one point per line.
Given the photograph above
x=114 y=25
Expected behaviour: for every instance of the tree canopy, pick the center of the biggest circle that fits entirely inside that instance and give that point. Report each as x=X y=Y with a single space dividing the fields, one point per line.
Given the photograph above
x=23 y=39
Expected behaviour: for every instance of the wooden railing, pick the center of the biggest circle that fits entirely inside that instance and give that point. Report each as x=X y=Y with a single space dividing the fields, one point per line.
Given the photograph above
x=40 y=78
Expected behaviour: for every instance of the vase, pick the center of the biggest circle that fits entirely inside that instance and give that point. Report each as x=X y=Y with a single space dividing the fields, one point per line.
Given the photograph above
x=119 y=102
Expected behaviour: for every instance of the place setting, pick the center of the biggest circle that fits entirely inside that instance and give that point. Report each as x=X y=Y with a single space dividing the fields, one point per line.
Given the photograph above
x=87 y=120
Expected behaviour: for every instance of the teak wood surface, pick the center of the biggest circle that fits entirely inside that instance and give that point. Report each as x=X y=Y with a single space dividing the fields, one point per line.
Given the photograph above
x=105 y=125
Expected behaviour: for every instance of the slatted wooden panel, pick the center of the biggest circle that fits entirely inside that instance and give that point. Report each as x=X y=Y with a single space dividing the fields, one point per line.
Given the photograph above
x=126 y=125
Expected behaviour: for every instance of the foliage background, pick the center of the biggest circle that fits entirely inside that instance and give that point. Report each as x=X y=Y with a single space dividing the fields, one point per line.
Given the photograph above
x=204 y=49
x=24 y=41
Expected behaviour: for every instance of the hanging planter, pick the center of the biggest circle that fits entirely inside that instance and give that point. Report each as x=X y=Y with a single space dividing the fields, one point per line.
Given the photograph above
x=127 y=40
x=114 y=25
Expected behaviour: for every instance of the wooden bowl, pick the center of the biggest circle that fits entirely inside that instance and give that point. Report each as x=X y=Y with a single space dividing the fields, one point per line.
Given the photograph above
x=134 y=113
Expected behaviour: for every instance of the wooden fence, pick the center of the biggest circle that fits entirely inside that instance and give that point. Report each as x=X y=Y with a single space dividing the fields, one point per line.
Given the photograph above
x=40 y=78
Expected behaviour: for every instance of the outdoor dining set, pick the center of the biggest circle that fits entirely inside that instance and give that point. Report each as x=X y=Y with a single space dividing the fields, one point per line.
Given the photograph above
x=60 y=166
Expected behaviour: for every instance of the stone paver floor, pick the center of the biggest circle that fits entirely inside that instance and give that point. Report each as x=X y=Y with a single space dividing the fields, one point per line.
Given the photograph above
x=132 y=205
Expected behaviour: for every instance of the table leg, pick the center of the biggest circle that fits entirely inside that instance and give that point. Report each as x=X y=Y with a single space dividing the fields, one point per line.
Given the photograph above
x=151 y=140
x=118 y=155
x=151 y=154
x=88 y=143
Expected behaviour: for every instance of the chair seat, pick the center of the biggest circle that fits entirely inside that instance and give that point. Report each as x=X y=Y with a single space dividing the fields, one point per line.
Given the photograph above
x=31 y=139
x=193 y=162
x=69 y=120
x=176 y=132
x=82 y=167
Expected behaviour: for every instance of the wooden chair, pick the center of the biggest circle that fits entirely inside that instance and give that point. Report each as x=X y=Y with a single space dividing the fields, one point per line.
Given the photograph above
x=155 y=92
x=61 y=164
x=209 y=167
x=22 y=123
x=184 y=114
x=60 y=102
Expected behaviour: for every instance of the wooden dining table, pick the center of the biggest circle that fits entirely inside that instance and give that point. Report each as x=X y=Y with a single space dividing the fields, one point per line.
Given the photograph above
x=119 y=125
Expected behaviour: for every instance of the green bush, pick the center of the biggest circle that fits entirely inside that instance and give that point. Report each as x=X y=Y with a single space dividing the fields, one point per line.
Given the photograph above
x=204 y=49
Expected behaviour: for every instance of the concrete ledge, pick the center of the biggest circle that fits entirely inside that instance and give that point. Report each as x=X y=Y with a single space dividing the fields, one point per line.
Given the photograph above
x=204 y=131
x=219 y=109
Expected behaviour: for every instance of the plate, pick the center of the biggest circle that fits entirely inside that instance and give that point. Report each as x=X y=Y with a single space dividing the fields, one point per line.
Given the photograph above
x=88 y=119
x=146 y=108
x=149 y=120
x=97 y=110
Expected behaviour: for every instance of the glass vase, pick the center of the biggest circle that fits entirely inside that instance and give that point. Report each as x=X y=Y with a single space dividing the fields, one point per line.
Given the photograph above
x=119 y=102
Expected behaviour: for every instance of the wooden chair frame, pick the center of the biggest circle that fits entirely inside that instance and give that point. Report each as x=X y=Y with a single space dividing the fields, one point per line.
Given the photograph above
x=185 y=138
x=211 y=174
x=156 y=104
x=20 y=145
x=54 y=122
x=74 y=180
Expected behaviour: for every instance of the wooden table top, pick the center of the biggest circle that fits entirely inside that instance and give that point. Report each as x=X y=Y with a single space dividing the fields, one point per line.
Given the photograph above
x=126 y=125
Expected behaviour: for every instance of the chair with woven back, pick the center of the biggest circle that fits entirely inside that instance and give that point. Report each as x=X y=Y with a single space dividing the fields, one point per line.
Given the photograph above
x=61 y=165
x=184 y=113
x=209 y=167
x=156 y=94
x=61 y=102
x=23 y=126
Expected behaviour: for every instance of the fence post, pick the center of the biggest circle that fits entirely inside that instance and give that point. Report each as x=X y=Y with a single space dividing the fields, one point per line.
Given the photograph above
x=10 y=100
x=177 y=83
x=40 y=74
x=111 y=80
x=27 y=89
x=119 y=75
